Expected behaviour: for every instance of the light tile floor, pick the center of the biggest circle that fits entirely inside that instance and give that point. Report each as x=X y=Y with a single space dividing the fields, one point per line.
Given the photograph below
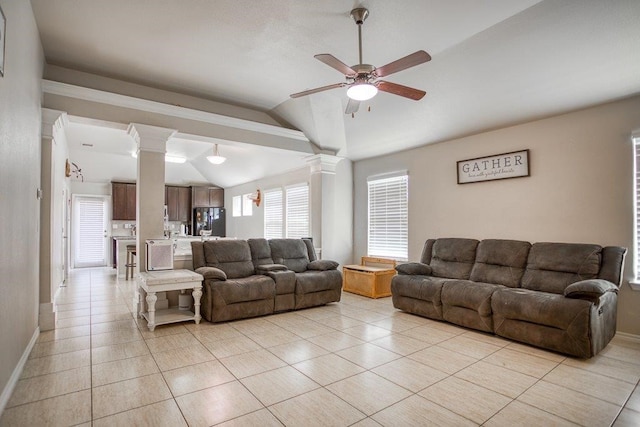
x=357 y=362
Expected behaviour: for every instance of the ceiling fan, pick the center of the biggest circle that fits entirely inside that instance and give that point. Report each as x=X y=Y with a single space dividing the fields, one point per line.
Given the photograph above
x=362 y=79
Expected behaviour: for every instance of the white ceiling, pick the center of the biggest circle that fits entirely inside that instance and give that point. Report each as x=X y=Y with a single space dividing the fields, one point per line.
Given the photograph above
x=495 y=62
x=104 y=153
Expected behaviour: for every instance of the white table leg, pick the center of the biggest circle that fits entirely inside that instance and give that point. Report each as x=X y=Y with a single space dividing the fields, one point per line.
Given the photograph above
x=151 y=309
x=197 y=294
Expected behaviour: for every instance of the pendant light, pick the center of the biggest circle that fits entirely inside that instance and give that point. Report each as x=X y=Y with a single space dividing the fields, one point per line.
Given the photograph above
x=216 y=159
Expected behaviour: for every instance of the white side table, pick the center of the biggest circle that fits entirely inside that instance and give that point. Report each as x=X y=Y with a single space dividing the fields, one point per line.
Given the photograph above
x=167 y=280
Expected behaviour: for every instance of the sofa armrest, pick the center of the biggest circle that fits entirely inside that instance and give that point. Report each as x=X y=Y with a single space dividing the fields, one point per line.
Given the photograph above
x=591 y=289
x=265 y=268
x=211 y=273
x=322 y=264
x=414 y=269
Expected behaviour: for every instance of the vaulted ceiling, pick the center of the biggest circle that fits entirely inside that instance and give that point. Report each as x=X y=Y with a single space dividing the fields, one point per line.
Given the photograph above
x=495 y=63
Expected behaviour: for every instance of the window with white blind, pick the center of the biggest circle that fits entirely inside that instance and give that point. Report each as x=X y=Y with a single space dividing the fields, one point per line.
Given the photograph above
x=389 y=216
x=286 y=212
x=273 y=220
x=635 y=137
x=297 y=211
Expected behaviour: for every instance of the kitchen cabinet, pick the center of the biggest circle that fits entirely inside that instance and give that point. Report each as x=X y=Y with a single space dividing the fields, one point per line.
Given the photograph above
x=178 y=201
x=207 y=197
x=123 y=201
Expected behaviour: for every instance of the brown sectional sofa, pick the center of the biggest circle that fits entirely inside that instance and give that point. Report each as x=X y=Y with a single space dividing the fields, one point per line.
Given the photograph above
x=558 y=296
x=248 y=278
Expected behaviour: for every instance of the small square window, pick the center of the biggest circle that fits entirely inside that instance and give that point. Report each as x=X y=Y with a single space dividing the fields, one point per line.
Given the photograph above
x=237 y=205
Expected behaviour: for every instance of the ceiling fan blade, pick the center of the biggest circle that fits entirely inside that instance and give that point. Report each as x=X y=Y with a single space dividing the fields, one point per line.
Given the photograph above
x=396 y=89
x=408 y=61
x=316 y=90
x=352 y=106
x=334 y=62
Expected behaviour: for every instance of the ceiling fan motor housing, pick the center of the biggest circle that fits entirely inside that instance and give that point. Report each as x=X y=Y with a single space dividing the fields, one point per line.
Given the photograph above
x=359 y=15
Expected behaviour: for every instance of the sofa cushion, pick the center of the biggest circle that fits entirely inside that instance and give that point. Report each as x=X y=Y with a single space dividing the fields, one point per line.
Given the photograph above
x=500 y=261
x=551 y=267
x=252 y=288
x=260 y=251
x=453 y=258
x=231 y=256
x=312 y=281
x=475 y=296
x=290 y=252
x=542 y=308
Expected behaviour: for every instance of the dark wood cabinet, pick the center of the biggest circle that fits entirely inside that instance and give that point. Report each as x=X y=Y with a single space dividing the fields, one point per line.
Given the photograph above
x=178 y=201
x=123 y=201
x=207 y=197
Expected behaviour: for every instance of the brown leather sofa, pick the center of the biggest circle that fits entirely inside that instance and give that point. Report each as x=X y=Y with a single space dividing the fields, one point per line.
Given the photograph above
x=558 y=296
x=248 y=278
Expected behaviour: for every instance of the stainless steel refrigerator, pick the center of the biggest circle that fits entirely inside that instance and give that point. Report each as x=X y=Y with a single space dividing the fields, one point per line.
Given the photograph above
x=209 y=219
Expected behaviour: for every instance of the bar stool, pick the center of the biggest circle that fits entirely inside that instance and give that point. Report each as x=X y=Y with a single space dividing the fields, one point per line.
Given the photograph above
x=131 y=261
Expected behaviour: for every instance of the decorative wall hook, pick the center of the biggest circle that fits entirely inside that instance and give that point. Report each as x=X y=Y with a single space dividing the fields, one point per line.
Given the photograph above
x=256 y=197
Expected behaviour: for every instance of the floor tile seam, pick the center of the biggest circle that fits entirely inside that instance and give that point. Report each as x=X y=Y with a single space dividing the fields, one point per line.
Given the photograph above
x=463 y=354
x=596 y=397
x=624 y=405
x=61 y=352
x=600 y=373
x=622 y=360
x=400 y=354
x=335 y=395
x=522 y=350
x=138 y=407
x=484 y=359
x=511 y=400
x=65 y=338
x=55 y=372
x=43 y=399
x=114 y=343
x=518 y=399
x=264 y=406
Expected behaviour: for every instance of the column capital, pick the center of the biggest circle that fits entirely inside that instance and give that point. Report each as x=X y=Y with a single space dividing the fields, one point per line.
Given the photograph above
x=323 y=163
x=53 y=121
x=150 y=138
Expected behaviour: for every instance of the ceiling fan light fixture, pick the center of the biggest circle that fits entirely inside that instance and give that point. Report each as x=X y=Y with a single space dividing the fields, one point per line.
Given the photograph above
x=362 y=91
x=216 y=159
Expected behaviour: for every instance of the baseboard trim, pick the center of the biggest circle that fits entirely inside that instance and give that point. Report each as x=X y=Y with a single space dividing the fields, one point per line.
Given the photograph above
x=15 y=376
x=630 y=337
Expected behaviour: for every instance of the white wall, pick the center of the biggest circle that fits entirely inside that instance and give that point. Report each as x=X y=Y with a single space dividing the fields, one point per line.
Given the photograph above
x=580 y=188
x=20 y=95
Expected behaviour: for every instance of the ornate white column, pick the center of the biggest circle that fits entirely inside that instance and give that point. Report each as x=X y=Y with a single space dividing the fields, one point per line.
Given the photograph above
x=51 y=221
x=151 y=145
x=330 y=218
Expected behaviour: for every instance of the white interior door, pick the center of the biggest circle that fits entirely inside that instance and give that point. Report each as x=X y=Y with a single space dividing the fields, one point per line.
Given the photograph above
x=90 y=231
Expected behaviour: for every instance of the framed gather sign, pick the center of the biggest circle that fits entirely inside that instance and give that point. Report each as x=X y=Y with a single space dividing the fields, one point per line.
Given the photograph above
x=500 y=166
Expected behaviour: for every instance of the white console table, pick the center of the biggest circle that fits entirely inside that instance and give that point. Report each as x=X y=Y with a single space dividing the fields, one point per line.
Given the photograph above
x=152 y=282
